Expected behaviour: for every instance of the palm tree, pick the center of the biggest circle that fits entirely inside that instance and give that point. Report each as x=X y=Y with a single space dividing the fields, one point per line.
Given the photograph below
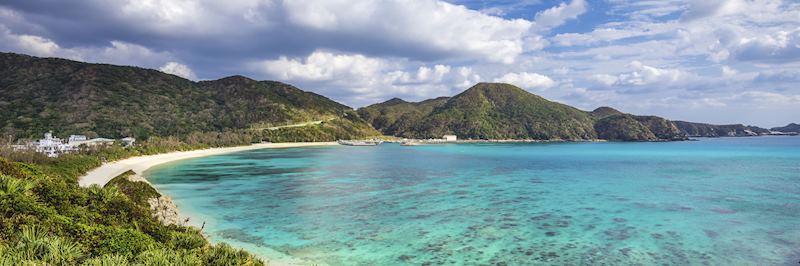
x=35 y=247
x=107 y=260
x=15 y=186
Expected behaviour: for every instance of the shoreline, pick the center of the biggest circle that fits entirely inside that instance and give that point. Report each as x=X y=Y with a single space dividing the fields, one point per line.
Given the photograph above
x=139 y=164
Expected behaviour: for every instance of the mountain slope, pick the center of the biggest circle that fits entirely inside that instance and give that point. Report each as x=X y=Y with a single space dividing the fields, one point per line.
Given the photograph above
x=708 y=130
x=70 y=97
x=502 y=111
x=397 y=115
x=622 y=127
x=792 y=127
x=611 y=124
x=485 y=111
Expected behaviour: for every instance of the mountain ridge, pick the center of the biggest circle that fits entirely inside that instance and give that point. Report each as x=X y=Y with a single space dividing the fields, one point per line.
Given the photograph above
x=71 y=97
x=504 y=111
x=791 y=127
x=693 y=129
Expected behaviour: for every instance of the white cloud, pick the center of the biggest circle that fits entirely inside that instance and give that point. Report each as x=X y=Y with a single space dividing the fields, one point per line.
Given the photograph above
x=764 y=97
x=778 y=46
x=782 y=76
x=604 y=79
x=423 y=23
x=558 y=15
x=527 y=80
x=699 y=9
x=642 y=74
x=324 y=66
x=29 y=44
x=178 y=69
x=728 y=71
x=360 y=80
x=117 y=52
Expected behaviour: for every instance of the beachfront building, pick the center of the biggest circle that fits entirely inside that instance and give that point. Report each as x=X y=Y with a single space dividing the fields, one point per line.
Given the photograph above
x=52 y=146
x=128 y=141
x=76 y=138
x=449 y=137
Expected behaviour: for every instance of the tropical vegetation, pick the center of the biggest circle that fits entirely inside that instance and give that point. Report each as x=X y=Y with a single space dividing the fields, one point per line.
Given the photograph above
x=47 y=219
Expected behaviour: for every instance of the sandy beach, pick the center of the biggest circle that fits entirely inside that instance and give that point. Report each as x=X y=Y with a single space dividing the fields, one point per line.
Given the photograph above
x=101 y=175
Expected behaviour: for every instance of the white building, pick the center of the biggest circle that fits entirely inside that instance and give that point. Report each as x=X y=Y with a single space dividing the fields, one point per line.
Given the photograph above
x=449 y=138
x=76 y=138
x=128 y=141
x=52 y=147
x=92 y=142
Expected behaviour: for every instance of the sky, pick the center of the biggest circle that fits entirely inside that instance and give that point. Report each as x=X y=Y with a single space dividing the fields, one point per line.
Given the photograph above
x=735 y=61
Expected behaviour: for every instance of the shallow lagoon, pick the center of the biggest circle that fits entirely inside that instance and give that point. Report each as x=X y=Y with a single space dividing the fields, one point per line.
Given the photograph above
x=725 y=201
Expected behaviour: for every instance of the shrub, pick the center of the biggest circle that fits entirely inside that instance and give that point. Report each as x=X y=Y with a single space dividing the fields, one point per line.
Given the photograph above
x=127 y=242
x=36 y=247
x=223 y=254
x=139 y=192
x=159 y=257
x=107 y=260
x=187 y=240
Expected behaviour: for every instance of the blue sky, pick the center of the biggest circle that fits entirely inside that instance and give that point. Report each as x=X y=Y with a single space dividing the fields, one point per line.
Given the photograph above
x=733 y=61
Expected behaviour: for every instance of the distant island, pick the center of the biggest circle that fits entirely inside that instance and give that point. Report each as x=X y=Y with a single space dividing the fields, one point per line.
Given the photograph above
x=789 y=129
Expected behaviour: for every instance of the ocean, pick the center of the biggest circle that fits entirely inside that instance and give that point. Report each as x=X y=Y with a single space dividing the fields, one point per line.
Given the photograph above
x=715 y=201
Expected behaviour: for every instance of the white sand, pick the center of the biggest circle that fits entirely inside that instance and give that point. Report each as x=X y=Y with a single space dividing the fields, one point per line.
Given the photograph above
x=101 y=175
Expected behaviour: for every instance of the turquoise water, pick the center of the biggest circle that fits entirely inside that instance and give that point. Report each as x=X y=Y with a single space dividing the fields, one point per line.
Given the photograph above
x=725 y=201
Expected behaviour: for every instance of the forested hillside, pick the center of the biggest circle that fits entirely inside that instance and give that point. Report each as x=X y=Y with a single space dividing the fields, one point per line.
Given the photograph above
x=69 y=97
x=485 y=111
x=503 y=111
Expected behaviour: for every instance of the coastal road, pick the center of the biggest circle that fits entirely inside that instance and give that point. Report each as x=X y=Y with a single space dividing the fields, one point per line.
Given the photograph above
x=297 y=125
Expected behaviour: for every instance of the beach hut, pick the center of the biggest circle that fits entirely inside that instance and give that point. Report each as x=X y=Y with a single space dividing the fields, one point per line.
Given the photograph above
x=449 y=137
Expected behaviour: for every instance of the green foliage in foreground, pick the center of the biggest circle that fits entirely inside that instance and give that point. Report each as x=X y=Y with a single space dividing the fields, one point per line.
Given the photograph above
x=138 y=192
x=47 y=219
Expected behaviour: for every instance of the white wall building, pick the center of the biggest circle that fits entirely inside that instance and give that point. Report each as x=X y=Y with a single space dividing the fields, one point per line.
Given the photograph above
x=76 y=138
x=52 y=147
x=449 y=137
x=128 y=141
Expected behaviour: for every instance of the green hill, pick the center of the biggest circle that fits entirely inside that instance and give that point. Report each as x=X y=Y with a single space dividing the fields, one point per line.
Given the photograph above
x=485 y=111
x=396 y=115
x=627 y=127
x=603 y=112
x=70 y=97
x=502 y=111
